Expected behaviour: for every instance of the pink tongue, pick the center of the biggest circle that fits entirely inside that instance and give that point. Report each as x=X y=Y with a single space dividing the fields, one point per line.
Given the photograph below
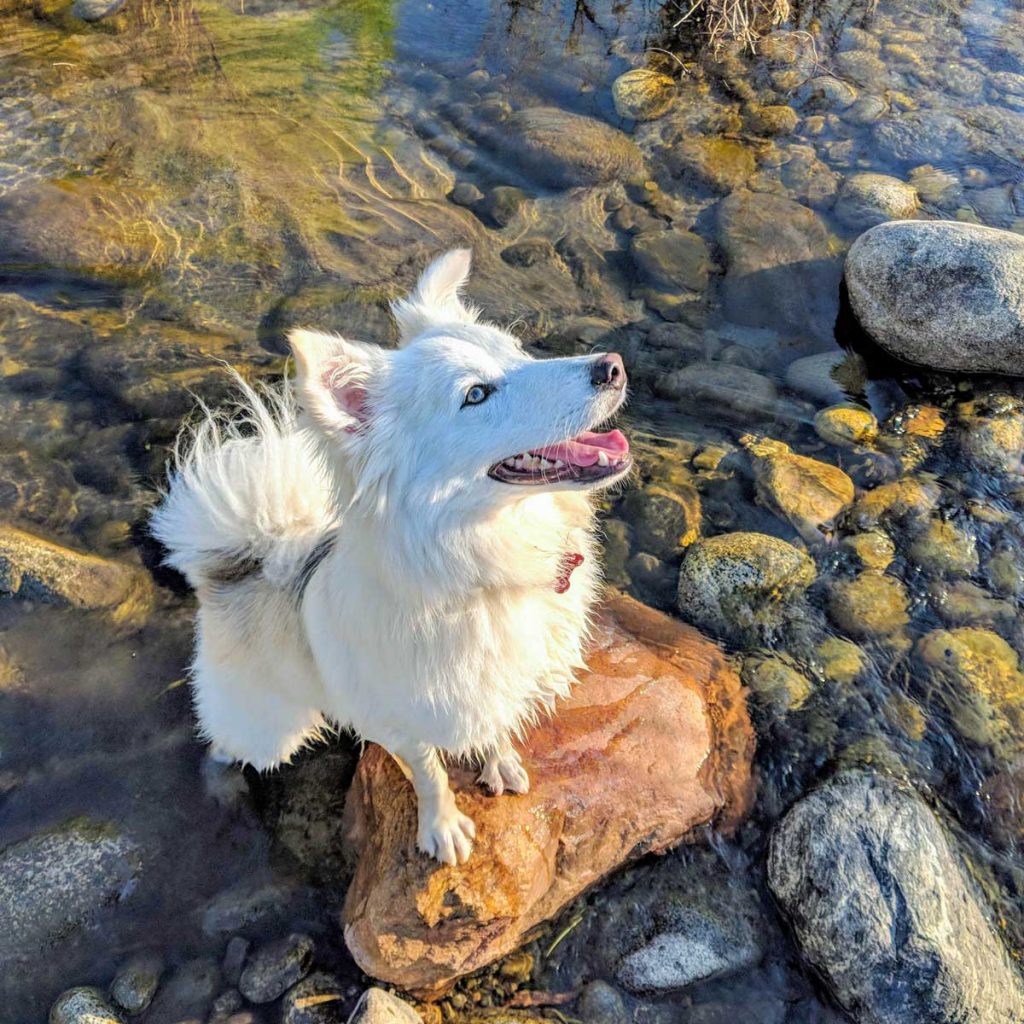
x=583 y=450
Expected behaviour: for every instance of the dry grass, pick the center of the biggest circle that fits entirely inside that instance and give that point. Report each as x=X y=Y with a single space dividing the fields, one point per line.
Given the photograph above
x=742 y=21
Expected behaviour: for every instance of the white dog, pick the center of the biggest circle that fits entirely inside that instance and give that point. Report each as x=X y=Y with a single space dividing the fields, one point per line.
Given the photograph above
x=402 y=545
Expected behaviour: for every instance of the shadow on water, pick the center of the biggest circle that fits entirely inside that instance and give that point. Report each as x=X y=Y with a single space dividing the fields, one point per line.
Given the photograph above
x=181 y=183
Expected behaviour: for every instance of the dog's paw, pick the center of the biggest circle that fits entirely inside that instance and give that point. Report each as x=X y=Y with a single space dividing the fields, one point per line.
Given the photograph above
x=447 y=836
x=505 y=772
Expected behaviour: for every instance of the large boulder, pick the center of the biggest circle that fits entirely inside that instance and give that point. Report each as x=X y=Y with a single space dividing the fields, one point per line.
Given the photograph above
x=781 y=271
x=943 y=294
x=654 y=743
x=562 y=150
x=883 y=908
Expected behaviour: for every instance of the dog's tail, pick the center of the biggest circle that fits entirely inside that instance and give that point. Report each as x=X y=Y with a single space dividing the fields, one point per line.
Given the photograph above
x=248 y=493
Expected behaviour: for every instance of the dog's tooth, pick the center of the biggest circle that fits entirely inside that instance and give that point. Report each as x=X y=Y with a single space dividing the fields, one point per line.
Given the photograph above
x=518 y=464
x=559 y=464
x=602 y=458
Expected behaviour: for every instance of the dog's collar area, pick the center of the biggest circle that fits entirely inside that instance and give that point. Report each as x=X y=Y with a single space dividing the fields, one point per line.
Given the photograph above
x=570 y=560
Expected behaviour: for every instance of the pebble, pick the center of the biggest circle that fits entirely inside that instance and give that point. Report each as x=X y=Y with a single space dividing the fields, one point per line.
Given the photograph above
x=643 y=95
x=274 y=967
x=846 y=426
x=873 y=549
x=826 y=93
x=318 y=999
x=465 y=193
x=380 y=1007
x=943 y=547
x=869 y=606
x=714 y=162
x=903 y=499
x=664 y=521
x=83 y=1006
x=501 y=205
x=828 y=376
x=234 y=958
x=600 y=1003
x=771 y=120
x=723 y=389
x=95 y=10
x=136 y=982
x=1006 y=572
x=937 y=187
x=841 y=660
x=776 y=683
x=868 y=199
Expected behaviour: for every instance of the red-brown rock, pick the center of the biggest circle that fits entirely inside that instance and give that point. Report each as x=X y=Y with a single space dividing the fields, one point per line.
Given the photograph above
x=654 y=743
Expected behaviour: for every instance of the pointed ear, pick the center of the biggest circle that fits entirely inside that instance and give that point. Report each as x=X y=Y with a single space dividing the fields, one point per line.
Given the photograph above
x=332 y=376
x=435 y=299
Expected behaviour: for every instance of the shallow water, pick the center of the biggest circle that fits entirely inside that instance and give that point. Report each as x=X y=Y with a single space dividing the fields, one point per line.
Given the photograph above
x=181 y=183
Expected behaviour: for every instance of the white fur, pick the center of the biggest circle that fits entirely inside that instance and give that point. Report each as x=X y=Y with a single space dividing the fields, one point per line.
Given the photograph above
x=433 y=625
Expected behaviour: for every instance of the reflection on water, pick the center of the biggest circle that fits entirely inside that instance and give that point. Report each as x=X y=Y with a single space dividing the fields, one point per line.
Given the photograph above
x=182 y=182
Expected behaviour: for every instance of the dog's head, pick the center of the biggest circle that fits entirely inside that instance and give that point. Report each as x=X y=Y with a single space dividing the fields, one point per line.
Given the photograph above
x=459 y=409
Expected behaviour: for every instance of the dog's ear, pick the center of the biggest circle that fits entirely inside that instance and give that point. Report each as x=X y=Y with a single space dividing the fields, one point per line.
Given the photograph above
x=332 y=376
x=435 y=299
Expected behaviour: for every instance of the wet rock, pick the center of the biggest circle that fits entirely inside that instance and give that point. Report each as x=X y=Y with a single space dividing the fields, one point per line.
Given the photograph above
x=380 y=1007
x=841 y=661
x=869 y=606
x=664 y=520
x=991 y=434
x=54 y=883
x=83 y=1006
x=941 y=293
x=935 y=186
x=976 y=676
x=36 y=569
x=846 y=426
x=600 y=1003
x=187 y=994
x=643 y=95
x=905 y=499
x=883 y=908
x=251 y=902
x=922 y=137
x=805 y=492
x=776 y=683
x=825 y=92
x=869 y=199
x=96 y=10
x=713 y=162
x=562 y=150
x=318 y=999
x=671 y=261
x=771 y=120
x=529 y=253
x=642 y=711
x=274 y=967
x=136 y=982
x=944 y=547
x=961 y=603
x=1006 y=571
x=697 y=947
x=465 y=193
x=858 y=39
x=805 y=178
x=780 y=270
x=873 y=549
x=501 y=205
x=235 y=955
x=828 y=376
x=719 y=389
x=866 y=110
x=38 y=490
x=738 y=582
x=863 y=68
x=1003 y=796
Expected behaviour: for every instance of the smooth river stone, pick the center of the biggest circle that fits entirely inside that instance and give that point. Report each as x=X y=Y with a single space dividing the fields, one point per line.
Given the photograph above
x=654 y=743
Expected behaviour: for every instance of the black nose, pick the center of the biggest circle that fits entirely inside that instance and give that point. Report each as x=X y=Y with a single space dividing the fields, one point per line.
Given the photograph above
x=607 y=371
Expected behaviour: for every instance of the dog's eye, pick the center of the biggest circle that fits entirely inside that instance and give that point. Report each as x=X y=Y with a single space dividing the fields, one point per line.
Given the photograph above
x=476 y=394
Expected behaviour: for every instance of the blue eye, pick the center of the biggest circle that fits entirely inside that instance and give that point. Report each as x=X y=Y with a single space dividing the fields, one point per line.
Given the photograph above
x=476 y=394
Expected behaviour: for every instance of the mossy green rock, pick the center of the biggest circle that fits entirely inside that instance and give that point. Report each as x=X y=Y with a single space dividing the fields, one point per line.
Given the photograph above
x=869 y=606
x=776 y=683
x=841 y=661
x=738 y=582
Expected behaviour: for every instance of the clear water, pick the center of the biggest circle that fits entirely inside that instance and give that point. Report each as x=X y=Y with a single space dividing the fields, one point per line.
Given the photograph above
x=188 y=180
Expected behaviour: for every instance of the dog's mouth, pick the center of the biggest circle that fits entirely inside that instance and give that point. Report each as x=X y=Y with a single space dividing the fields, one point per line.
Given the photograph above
x=588 y=458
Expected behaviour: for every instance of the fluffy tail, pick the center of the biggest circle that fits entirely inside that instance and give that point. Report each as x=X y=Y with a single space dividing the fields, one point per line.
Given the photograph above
x=248 y=491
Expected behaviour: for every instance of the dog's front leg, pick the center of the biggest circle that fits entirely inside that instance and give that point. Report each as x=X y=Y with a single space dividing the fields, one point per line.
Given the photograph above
x=444 y=831
x=503 y=770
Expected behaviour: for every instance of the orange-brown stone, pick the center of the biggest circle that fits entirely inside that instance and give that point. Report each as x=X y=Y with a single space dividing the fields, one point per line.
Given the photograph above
x=654 y=743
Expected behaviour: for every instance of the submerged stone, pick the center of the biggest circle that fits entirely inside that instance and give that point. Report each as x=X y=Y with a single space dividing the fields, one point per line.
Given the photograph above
x=881 y=905
x=944 y=547
x=136 y=982
x=643 y=711
x=664 y=520
x=870 y=606
x=776 y=683
x=643 y=95
x=846 y=426
x=869 y=199
x=83 y=1006
x=717 y=163
x=740 y=582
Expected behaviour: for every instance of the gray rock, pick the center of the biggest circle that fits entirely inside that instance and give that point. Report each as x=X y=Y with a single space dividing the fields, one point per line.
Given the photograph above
x=376 y=1006
x=83 y=1006
x=926 y=136
x=671 y=261
x=234 y=958
x=318 y=999
x=274 y=967
x=869 y=199
x=941 y=293
x=187 y=994
x=562 y=150
x=600 y=1003
x=529 y=252
x=828 y=376
x=826 y=93
x=882 y=907
x=36 y=569
x=465 y=193
x=718 y=389
x=697 y=948
x=780 y=269
x=56 y=882
x=94 y=10
x=737 y=584
x=136 y=982
x=501 y=205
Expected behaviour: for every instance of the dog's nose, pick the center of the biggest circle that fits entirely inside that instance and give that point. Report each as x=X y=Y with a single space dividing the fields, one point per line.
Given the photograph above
x=607 y=371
